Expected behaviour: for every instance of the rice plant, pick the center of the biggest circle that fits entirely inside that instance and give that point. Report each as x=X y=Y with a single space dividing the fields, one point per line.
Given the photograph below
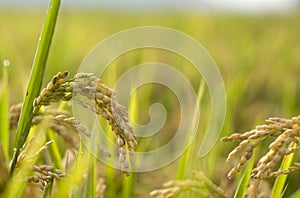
x=32 y=119
x=42 y=154
x=285 y=134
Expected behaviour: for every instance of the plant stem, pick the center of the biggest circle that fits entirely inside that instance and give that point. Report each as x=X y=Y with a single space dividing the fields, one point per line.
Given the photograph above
x=185 y=158
x=278 y=187
x=4 y=120
x=35 y=81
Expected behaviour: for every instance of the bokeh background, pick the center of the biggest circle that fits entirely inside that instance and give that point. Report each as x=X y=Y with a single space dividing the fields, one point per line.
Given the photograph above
x=256 y=45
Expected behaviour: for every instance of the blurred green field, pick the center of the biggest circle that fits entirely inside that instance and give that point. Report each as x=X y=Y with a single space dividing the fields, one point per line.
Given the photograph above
x=258 y=57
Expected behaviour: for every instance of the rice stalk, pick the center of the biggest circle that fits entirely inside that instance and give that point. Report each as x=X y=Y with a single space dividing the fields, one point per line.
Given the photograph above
x=4 y=121
x=199 y=184
x=295 y=194
x=25 y=161
x=3 y=171
x=185 y=158
x=54 y=151
x=89 y=187
x=103 y=103
x=241 y=190
x=286 y=133
x=74 y=176
x=281 y=175
x=35 y=80
x=44 y=174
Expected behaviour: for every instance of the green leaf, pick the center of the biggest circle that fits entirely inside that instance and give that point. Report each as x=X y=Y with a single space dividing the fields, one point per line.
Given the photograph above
x=89 y=188
x=16 y=186
x=278 y=186
x=74 y=175
x=185 y=158
x=4 y=121
x=243 y=184
x=295 y=194
x=36 y=79
x=48 y=190
x=54 y=151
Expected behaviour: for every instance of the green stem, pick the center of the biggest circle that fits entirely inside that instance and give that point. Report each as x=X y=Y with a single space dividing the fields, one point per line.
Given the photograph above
x=54 y=151
x=278 y=187
x=4 y=120
x=244 y=181
x=185 y=158
x=35 y=81
x=48 y=190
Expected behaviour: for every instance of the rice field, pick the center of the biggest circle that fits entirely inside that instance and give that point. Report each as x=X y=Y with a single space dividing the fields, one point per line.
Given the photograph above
x=258 y=58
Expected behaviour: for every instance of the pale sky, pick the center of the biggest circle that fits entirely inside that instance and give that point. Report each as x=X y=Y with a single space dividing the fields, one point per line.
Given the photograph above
x=241 y=6
x=254 y=5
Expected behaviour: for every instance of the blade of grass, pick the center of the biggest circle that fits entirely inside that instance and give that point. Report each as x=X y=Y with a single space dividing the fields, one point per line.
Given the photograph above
x=74 y=176
x=54 y=149
x=4 y=121
x=89 y=181
x=128 y=186
x=183 y=166
x=57 y=161
x=278 y=186
x=89 y=188
x=243 y=184
x=16 y=187
x=182 y=169
x=128 y=182
x=76 y=192
x=295 y=194
x=48 y=190
x=110 y=173
x=36 y=79
x=94 y=177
